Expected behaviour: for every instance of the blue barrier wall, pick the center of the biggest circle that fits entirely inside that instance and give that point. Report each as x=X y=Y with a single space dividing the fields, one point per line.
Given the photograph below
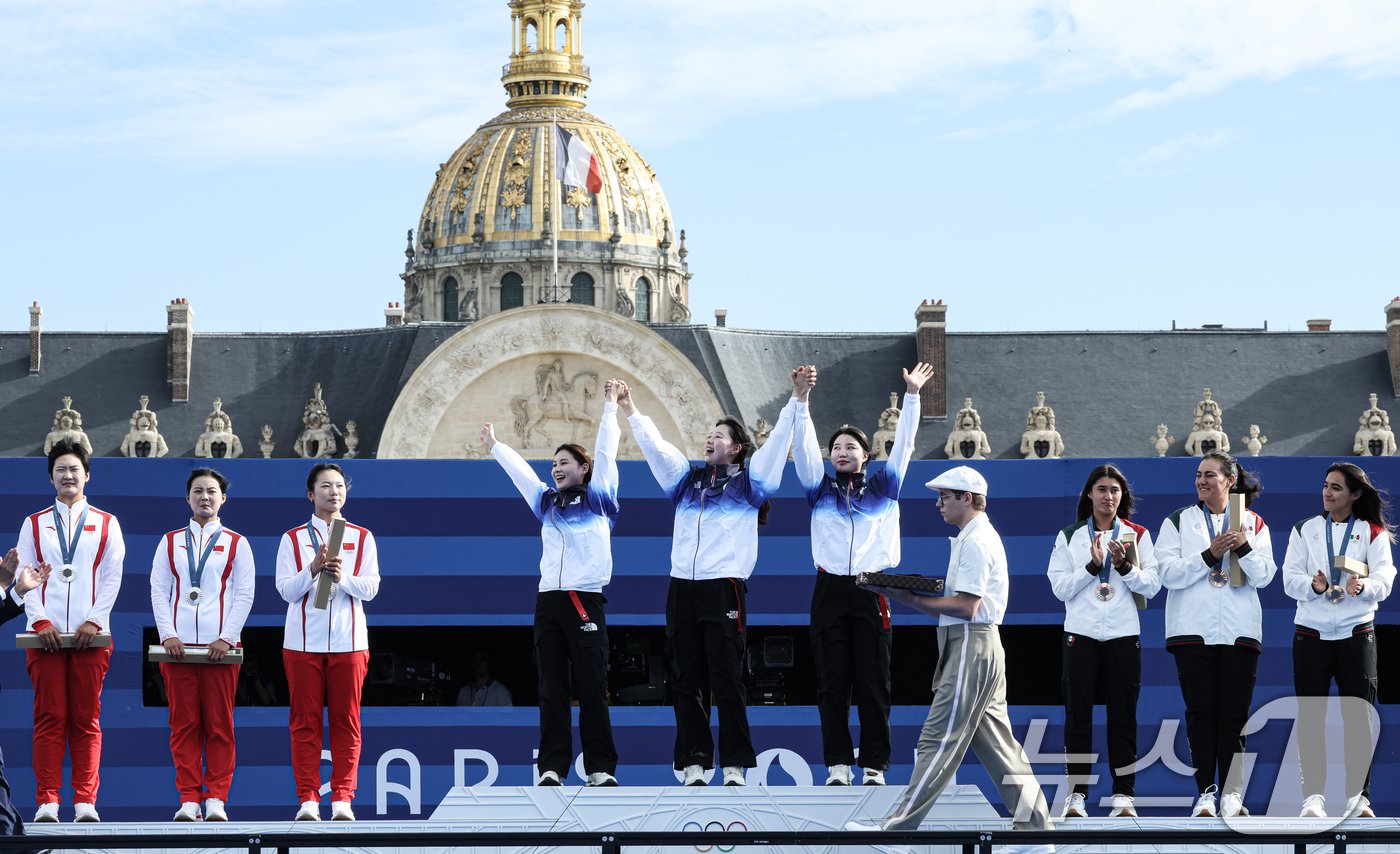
x=458 y=547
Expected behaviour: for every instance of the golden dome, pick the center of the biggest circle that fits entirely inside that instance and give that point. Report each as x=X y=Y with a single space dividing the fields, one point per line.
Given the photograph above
x=488 y=224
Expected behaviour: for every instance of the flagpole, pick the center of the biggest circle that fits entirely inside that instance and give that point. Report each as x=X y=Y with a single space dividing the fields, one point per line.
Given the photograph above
x=554 y=203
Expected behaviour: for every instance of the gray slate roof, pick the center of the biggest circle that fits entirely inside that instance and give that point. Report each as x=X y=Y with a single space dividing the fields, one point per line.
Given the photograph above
x=1109 y=390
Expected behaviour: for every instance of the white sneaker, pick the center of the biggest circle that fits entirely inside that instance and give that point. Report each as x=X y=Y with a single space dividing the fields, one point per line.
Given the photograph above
x=1074 y=807
x=1027 y=849
x=340 y=811
x=1123 y=807
x=838 y=775
x=214 y=810
x=548 y=778
x=862 y=827
x=85 y=812
x=1205 y=805
x=734 y=776
x=1314 y=806
x=46 y=812
x=601 y=778
x=694 y=776
x=1232 y=805
x=310 y=811
x=188 y=811
x=873 y=777
x=1359 y=806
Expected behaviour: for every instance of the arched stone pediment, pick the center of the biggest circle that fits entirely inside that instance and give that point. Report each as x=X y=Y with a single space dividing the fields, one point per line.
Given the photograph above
x=537 y=374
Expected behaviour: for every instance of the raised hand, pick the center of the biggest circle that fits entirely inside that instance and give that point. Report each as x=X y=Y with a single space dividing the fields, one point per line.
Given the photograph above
x=610 y=391
x=488 y=435
x=8 y=565
x=915 y=379
x=624 y=399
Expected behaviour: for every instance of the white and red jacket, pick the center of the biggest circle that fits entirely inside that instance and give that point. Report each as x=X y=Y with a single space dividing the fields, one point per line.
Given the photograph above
x=226 y=588
x=1197 y=612
x=1307 y=555
x=341 y=626
x=1085 y=613
x=89 y=597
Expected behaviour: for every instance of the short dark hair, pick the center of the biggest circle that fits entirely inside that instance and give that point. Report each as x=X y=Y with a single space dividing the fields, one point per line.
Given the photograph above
x=205 y=471
x=320 y=467
x=740 y=436
x=64 y=447
x=854 y=432
x=580 y=455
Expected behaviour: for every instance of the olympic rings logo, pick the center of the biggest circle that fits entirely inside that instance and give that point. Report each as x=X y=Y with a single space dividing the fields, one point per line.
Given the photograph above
x=714 y=827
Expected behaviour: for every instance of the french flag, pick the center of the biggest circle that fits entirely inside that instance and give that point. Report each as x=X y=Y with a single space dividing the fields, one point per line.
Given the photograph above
x=574 y=163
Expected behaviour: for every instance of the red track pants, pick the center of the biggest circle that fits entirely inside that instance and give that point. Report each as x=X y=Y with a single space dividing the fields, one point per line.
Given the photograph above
x=329 y=680
x=67 y=707
x=201 y=727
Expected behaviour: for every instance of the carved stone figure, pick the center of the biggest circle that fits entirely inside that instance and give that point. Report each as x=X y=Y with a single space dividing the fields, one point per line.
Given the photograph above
x=317 y=439
x=967 y=441
x=883 y=439
x=1207 y=430
x=1374 y=439
x=352 y=440
x=218 y=439
x=469 y=310
x=625 y=307
x=557 y=398
x=760 y=431
x=266 y=445
x=1255 y=443
x=1041 y=441
x=143 y=439
x=1161 y=442
x=67 y=424
x=1206 y=437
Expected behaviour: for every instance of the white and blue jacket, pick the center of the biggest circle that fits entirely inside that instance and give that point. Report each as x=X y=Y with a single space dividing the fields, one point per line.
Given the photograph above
x=855 y=518
x=716 y=528
x=575 y=524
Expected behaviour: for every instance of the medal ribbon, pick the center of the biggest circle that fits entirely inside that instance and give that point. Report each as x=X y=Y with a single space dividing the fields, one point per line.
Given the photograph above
x=1107 y=564
x=1210 y=526
x=68 y=549
x=1346 y=540
x=197 y=571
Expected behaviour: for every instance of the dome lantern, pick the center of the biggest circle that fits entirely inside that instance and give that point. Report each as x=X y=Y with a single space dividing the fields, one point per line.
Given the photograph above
x=546 y=58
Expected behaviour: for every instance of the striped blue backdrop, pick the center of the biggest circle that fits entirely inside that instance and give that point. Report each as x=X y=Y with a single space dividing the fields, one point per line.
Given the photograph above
x=459 y=547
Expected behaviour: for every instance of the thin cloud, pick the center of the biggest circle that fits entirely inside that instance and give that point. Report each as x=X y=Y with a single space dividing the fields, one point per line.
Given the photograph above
x=272 y=79
x=1173 y=149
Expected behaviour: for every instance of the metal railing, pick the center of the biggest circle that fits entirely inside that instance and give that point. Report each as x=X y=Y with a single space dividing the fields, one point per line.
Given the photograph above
x=970 y=841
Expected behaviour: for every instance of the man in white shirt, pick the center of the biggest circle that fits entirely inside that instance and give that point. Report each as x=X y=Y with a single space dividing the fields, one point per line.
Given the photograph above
x=969 y=686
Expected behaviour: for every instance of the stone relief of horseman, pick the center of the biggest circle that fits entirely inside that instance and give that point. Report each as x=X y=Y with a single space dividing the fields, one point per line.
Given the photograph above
x=568 y=401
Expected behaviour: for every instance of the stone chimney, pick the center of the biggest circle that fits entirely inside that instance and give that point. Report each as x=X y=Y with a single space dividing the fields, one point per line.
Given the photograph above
x=35 y=312
x=721 y=316
x=393 y=315
x=1392 y=343
x=179 y=345
x=1320 y=324
x=931 y=318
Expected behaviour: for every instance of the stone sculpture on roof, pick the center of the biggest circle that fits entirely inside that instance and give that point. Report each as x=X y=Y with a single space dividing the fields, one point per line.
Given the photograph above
x=967 y=441
x=1041 y=441
x=266 y=444
x=317 y=440
x=1161 y=442
x=144 y=439
x=67 y=425
x=352 y=440
x=1207 y=432
x=883 y=439
x=1254 y=443
x=218 y=439
x=1374 y=439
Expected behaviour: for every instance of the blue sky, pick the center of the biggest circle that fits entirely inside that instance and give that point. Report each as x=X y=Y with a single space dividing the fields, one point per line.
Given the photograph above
x=1037 y=165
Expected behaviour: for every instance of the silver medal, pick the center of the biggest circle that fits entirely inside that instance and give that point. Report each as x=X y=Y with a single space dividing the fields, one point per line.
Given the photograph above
x=1219 y=577
x=1335 y=594
x=1103 y=592
x=67 y=572
x=194 y=595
